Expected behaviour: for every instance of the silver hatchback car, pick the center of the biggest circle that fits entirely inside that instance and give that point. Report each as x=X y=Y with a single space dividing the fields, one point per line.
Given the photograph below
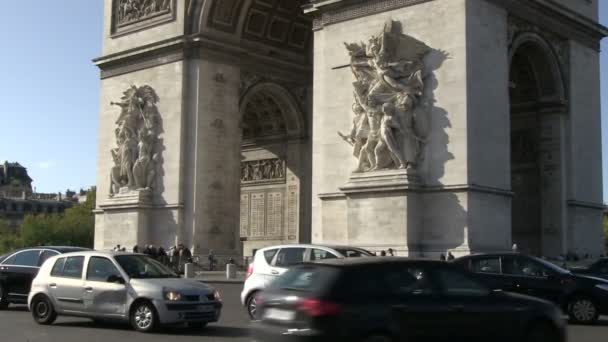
x=120 y=286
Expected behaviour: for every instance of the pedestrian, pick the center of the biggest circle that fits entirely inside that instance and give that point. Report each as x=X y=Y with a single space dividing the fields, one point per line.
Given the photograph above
x=383 y=253
x=211 y=260
x=117 y=248
x=162 y=255
x=514 y=248
x=391 y=252
x=136 y=249
x=450 y=256
x=442 y=257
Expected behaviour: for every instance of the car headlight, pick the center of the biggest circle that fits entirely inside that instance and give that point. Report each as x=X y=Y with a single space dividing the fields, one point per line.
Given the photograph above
x=172 y=295
x=217 y=296
x=602 y=287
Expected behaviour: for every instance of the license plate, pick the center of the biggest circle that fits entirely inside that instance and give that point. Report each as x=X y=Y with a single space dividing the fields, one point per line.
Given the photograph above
x=279 y=315
x=205 y=308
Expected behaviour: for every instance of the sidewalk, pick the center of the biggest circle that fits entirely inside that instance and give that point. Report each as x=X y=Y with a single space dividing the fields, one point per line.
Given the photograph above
x=219 y=277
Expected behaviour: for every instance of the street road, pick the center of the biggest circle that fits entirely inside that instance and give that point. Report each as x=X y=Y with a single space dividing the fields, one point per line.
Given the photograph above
x=16 y=325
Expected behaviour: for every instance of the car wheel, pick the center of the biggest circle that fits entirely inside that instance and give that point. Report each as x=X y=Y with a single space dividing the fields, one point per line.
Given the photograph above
x=43 y=311
x=582 y=310
x=541 y=332
x=378 y=338
x=3 y=299
x=144 y=317
x=252 y=305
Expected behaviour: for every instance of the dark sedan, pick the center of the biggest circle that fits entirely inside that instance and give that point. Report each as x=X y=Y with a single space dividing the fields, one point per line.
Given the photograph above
x=584 y=298
x=18 y=269
x=397 y=299
x=598 y=268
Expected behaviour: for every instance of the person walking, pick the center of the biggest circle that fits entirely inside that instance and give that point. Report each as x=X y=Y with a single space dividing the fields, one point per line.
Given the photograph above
x=442 y=257
x=211 y=258
x=383 y=253
x=450 y=256
x=136 y=249
x=391 y=252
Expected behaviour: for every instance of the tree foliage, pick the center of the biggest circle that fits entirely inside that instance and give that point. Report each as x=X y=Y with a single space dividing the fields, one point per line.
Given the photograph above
x=74 y=227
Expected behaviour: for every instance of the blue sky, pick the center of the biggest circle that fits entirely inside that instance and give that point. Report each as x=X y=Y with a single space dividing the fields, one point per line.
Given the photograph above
x=49 y=90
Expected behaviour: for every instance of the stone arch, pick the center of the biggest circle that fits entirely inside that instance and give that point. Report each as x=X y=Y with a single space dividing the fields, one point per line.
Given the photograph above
x=273 y=23
x=284 y=101
x=537 y=115
x=544 y=63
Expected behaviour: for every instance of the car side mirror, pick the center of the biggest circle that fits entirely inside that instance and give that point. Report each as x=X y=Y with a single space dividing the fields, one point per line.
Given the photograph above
x=116 y=279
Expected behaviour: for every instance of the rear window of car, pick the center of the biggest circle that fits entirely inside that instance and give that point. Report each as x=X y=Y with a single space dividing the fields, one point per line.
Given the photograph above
x=306 y=279
x=353 y=253
x=269 y=254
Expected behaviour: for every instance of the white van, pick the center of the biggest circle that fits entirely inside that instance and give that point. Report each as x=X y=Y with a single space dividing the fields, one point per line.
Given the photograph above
x=270 y=262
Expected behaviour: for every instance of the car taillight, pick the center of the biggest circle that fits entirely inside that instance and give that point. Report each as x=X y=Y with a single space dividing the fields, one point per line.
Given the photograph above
x=317 y=307
x=249 y=270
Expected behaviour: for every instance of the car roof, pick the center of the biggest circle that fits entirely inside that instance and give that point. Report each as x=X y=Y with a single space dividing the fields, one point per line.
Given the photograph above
x=303 y=245
x=498 y=254
x=350 y=262
x=99 y=253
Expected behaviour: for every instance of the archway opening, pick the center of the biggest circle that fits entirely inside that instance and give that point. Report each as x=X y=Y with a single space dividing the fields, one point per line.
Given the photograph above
x=271 y=169
x=535 y=96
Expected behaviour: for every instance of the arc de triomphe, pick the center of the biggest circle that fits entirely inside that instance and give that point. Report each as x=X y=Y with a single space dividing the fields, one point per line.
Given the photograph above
x=418 y=125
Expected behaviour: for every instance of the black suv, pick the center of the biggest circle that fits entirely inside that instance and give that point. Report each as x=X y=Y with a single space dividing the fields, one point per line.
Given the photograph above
x=18 y=269
x=397 y=299
x=583 y=298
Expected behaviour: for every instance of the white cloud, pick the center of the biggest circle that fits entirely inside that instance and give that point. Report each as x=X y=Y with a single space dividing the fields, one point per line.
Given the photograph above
x=46 y=164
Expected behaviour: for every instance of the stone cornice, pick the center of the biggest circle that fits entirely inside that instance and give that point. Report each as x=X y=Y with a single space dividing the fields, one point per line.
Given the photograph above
x=420 y=189
x=327 y=12
x=549 y=15
x=195 y=47
x=583 y=204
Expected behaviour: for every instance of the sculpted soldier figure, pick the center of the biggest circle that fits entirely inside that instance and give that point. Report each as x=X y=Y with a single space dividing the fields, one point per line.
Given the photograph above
x=389 y=84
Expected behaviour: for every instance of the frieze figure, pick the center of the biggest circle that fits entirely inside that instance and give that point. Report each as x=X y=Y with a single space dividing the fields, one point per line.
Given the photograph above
x=138 y=125
x=388 y=87
x=262 y=170
x=130 y=11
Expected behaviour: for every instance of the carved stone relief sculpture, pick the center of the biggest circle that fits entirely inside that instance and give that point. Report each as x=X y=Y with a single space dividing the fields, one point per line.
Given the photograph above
x=262 y=170
x=131 y=11
x=388 y=89
x=138 y=126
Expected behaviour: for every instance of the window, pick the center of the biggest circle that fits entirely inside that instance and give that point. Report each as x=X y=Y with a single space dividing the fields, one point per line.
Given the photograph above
x=100 y=269
x=269 y=254
x=306 y=278
x=73 y=267
x=319 y=254
x=524 y=267
x=353 y=253
x=25 y=258
x=58 y=268
x=408 y=281
x=290 y=256
x=45 y=255
x=486 y=265
x=457 y=284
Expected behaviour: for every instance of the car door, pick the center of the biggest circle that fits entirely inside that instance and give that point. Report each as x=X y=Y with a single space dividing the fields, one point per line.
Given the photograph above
x=286 y=257
x=487 y=269
x=18 y=272
x=472 y=313
x=417 y=311
x=66 y=284
x=530 y=277
x=105 y=293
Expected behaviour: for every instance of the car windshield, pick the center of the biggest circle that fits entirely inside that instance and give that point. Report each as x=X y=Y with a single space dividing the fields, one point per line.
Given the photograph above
x=141 y=266
x=353 y=252
x=552 y=266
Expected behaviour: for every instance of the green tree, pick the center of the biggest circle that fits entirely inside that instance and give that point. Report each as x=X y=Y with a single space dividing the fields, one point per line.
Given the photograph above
x=9 y=239
x=75 y=227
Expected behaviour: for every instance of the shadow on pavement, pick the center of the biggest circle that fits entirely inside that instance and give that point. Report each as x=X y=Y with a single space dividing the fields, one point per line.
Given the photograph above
x=210 y=331
x=21 y=308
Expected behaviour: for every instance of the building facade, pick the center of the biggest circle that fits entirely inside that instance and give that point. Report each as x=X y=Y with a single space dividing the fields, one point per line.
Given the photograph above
x=417 y=125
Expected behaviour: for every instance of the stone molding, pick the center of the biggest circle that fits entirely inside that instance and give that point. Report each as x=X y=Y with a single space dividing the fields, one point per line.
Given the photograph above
x=198 y=47
x=104 y=207
x=418 y=188
x=327 y=12
x=583 y=204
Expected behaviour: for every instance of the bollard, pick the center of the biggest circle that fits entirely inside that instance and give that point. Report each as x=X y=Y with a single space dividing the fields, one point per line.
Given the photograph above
x=230 y=271
x=188 y=271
